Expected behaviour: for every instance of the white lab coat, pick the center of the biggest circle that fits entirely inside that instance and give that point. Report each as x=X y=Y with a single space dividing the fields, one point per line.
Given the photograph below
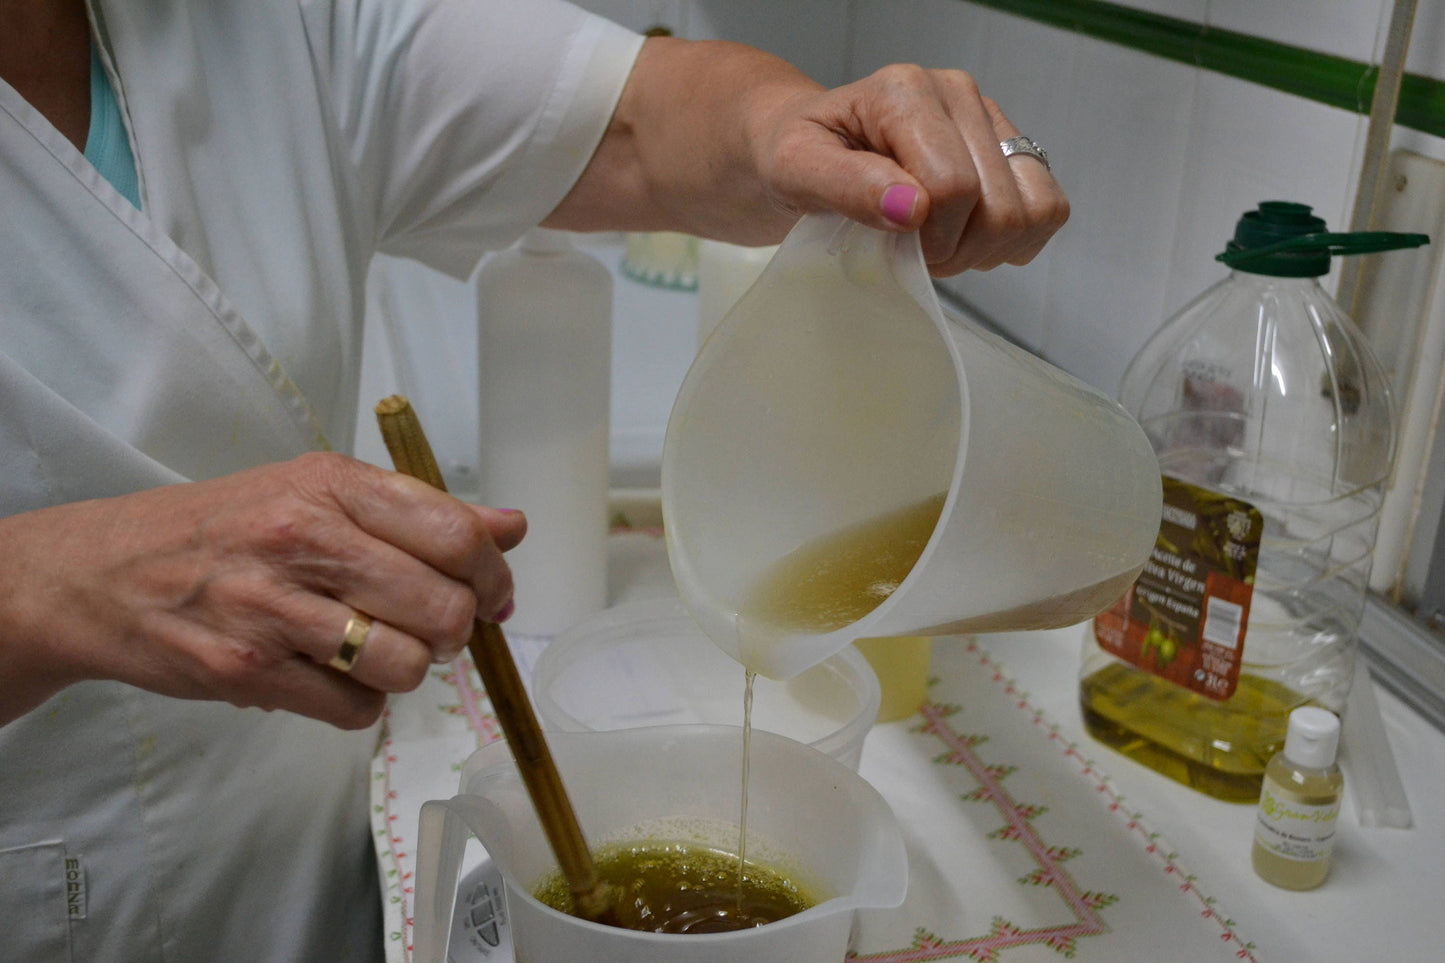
x=279 y=144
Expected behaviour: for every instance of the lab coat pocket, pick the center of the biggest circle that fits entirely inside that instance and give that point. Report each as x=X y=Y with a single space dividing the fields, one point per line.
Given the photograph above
x=41 y=891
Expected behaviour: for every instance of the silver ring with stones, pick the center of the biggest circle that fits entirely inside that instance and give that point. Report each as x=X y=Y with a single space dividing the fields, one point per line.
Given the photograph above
x=1027 y=146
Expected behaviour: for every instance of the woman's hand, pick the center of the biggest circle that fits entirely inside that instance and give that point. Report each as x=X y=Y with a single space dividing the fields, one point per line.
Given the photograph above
x=914 y=149
x=725 y=141
x=240 y=589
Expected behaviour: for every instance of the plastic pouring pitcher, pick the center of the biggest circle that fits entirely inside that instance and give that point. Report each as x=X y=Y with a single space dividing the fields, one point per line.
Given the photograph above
x=837 y=391
x=809 y=816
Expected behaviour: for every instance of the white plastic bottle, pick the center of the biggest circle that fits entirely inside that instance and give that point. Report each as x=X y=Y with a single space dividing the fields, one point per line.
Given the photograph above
x=1299 y=803
x=724 y=274
x=545 y=364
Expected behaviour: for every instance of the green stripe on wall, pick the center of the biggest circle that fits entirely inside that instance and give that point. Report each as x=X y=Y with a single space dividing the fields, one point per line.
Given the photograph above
x=1325 y=78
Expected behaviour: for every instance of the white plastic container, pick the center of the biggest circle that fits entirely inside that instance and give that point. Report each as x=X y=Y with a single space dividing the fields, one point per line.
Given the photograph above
x=809 y=816
x=648 y=664
x=836 y=391
x=545 y=361
x=724 y=274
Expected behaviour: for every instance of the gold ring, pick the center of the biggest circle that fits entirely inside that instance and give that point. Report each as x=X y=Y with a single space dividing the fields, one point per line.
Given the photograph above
x=351 y=642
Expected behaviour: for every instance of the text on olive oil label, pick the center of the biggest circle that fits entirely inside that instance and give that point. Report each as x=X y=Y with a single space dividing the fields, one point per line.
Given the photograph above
x=1185 y=618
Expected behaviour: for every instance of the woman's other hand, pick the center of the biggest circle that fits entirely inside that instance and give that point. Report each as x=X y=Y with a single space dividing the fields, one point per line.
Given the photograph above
x=240 y=589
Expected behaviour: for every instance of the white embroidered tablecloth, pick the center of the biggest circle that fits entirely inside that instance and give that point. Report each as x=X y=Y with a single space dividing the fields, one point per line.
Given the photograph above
x=1019 y=847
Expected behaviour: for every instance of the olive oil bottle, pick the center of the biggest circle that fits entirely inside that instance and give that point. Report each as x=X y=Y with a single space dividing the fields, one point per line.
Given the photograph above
x=1220 y=749
x=1274 y=429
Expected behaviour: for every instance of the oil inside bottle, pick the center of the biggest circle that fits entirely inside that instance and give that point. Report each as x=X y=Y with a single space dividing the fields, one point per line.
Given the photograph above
x=1218 y=748
x=1319 y=789
x=671 y=887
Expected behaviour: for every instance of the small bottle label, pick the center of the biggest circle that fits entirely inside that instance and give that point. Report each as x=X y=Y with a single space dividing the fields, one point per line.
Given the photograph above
x=1185 y=617
x=1293 y=830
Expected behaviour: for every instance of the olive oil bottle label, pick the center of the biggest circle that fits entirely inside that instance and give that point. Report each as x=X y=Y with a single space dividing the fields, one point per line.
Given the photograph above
x=1295 y=830
x=1185 y=617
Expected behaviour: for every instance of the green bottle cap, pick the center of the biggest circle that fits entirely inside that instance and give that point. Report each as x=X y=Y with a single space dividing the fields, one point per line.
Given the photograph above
x=1283 y=239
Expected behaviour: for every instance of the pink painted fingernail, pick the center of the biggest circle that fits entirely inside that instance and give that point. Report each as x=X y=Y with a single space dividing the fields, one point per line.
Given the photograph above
x=506 y=612
x=898 y=203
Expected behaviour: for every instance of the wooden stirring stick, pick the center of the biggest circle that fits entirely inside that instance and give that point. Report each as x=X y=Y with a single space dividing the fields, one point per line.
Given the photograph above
x=412 y=455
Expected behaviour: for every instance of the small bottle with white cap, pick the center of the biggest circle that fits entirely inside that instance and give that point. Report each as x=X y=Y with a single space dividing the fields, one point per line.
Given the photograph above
x=1299 y=804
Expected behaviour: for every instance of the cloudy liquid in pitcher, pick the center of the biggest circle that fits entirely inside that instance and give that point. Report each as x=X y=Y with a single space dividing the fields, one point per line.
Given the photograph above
x=839 y=578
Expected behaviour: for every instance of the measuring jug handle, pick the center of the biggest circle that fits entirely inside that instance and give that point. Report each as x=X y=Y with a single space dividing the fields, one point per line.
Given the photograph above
x=442 y=837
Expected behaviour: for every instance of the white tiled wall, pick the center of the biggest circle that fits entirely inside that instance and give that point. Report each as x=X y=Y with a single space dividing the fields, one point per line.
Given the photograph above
x=1427 y=42
x=1345 y=29
x=1159 y=159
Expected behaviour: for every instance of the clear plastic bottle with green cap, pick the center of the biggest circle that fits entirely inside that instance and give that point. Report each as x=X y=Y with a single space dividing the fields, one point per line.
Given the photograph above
x=1275 y=432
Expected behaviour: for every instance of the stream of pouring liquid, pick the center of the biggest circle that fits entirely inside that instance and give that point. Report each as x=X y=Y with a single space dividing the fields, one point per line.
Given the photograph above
x=823 y=586
x=747 y=752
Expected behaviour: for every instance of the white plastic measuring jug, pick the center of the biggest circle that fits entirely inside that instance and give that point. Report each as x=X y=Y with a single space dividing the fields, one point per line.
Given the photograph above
x=809 y=816
x=836 y=391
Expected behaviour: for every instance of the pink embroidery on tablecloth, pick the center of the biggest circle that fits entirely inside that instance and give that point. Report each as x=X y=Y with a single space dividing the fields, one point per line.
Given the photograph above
x=1084 y=905
x=472 y=701
x=398 y=881
x=472 y=704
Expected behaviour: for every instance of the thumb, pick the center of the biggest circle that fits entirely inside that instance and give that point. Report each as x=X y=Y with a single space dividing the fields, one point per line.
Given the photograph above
x=506 y=525
x=826 y=174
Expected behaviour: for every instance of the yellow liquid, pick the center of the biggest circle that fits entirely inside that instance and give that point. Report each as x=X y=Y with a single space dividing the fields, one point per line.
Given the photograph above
x=666 y=887
x=901 y=665
x=1296 y=787
x=825 y=585
x=1218 y=748
x=836 y=580
x=747 y=766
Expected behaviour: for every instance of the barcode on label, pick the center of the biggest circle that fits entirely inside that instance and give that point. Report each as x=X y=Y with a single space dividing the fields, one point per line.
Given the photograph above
x=1221 y=622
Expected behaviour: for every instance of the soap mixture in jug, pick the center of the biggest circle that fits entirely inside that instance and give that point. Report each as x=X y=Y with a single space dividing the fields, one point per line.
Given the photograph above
x=665 y=887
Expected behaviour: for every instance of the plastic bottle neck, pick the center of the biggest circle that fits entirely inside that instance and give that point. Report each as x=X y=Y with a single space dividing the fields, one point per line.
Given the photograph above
x=1274 y=280
x=1297 y=288
x=542 y=240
